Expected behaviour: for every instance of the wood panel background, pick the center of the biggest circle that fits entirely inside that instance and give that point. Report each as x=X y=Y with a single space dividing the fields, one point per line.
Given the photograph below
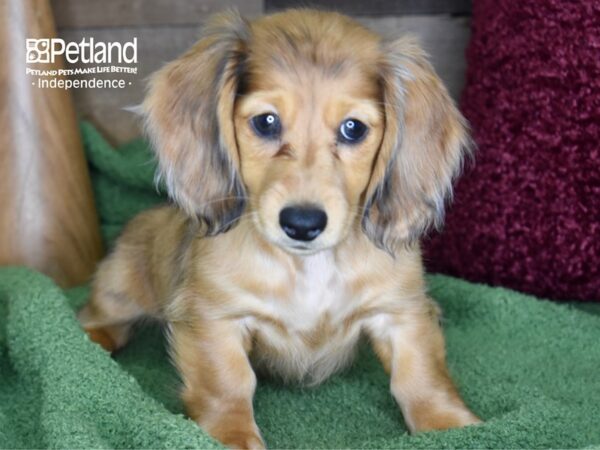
x=166 y=28
x=380 y=7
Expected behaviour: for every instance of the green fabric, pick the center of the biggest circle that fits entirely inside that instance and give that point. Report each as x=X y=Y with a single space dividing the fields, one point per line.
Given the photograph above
x=530 y=368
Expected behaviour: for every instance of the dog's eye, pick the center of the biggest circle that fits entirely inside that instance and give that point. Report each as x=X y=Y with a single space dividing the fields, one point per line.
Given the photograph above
x=266 y=126
x=352 y=131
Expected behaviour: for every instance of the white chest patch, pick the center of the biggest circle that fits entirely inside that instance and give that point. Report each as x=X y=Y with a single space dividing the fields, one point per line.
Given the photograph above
x=314 y=341
x=319 y=290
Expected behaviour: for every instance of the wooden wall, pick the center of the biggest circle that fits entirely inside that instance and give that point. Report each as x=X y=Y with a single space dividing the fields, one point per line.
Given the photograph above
x=165 y=28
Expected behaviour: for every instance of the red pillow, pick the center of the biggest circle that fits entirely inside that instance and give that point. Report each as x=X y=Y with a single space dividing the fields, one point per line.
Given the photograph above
x=527 y=214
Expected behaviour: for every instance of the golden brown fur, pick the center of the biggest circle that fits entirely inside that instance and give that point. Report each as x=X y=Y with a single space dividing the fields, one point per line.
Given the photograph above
x=236 y=292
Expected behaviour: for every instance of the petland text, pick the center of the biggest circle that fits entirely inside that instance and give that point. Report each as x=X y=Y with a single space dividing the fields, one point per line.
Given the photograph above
x=87 y=51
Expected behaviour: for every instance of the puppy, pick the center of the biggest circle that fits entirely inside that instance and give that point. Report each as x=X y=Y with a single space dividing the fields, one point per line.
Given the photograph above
x=305 y=156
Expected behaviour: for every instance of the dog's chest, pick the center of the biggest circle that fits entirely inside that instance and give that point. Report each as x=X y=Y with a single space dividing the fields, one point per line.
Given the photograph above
x=318 y=292
x=306 y=335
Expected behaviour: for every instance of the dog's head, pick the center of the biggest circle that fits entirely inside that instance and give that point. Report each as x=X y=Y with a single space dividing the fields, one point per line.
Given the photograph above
x=309 y=123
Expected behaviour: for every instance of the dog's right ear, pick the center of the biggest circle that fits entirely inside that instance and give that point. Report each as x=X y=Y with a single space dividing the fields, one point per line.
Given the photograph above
x=189 y=119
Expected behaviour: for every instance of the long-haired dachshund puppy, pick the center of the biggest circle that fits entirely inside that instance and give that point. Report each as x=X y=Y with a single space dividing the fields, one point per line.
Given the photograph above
x=306 y=157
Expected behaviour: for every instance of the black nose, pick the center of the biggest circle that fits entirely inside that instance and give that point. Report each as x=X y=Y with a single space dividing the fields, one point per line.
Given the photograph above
x=302 y=223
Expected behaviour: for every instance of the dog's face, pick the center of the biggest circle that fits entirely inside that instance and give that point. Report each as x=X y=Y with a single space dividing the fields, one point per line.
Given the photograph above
x=311 y=125
x=307 y=139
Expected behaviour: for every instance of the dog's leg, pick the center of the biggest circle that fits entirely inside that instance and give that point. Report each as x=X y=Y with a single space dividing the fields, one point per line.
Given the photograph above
x=120 y=296
x=108 y=318
x=411 y=348
x=218 y=381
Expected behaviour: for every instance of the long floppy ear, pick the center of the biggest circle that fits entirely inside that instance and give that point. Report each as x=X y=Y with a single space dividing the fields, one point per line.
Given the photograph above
x=189 y=118
x=421 y=152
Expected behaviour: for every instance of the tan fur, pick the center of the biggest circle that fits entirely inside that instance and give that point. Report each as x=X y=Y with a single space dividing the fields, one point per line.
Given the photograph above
x=237 y=294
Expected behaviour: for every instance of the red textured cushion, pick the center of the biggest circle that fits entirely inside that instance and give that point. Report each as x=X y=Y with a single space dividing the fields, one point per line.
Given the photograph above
x=527 y=214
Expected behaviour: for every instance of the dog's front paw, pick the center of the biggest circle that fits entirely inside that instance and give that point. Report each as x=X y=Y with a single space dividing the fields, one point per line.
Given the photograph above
x=242 y=440
x=427 y=417
x=236 y=434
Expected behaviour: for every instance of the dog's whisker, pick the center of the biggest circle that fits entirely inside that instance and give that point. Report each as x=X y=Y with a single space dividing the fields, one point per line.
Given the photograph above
x=221 y=199
x=238 y=219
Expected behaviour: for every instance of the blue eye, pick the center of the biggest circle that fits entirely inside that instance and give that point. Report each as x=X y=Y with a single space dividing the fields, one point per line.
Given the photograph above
x=267 y=126
x=352 y=131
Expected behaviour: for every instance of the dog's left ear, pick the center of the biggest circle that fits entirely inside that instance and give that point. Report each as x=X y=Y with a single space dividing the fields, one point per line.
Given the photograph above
x=423 y=145
x=189 y=117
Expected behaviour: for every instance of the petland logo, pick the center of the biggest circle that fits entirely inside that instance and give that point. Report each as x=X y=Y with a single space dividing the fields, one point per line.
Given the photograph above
x=87 y=51
x=90 y=64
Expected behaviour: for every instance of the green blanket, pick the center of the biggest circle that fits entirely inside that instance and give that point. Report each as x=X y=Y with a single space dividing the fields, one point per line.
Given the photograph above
x=530 y=368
